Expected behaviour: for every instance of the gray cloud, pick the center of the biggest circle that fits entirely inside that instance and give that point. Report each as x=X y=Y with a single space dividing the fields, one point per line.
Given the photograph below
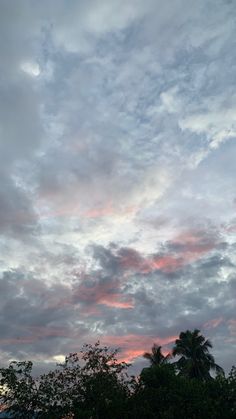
x=117 y=194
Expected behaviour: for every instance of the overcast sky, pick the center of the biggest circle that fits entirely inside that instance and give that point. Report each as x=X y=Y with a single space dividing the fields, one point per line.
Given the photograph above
x=117 y=165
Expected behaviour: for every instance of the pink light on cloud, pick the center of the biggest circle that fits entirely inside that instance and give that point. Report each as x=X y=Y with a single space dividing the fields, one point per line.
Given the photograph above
x=107 y=293
x=132 y=260
x=139 y=264
x=193 y=244
x=166 y=263
x=99 y=211
x=117 y=304
x=133 y=346
x=58 y=209
x=213 y=323
x=90 y=296
x=187 y=248
x=108 y=210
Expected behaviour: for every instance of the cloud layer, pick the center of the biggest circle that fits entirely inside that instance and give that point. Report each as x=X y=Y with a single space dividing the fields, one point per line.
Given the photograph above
x=117 y=194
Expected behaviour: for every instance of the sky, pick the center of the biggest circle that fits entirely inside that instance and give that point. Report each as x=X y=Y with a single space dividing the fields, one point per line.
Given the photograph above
x=117 y=165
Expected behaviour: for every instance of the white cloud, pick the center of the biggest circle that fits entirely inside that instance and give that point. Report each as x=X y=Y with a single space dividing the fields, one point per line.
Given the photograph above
x=170 y=100
x=31 y=68
x=59 y=358
x=218 y=125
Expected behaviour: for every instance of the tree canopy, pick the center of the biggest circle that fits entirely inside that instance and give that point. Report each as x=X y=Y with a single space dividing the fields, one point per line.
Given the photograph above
x=156 y=356
x=93 y=384
x=195 y=359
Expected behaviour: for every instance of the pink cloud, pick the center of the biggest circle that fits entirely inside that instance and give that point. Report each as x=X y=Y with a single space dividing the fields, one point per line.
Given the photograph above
x=114 y=302
x=106 y=293
x=194 y=244
x=61 y=209
x=133 y=346
x=166 y=263
x=136 y=263
x=187 y=247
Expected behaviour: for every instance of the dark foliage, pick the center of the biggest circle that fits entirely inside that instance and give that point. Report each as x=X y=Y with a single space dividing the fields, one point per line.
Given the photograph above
x=92 y=384
x=195 y=360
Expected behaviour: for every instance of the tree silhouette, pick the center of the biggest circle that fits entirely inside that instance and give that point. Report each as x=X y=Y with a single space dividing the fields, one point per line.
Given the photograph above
x=156 y=357
x=195 y=360
x=94 y=384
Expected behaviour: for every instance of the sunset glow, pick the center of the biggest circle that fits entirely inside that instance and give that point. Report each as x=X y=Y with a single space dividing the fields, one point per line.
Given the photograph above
x=117 y=166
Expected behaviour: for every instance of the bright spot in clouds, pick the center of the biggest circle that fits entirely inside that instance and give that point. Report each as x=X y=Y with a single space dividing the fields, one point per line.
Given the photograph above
x=59 y=358
x=31 y=68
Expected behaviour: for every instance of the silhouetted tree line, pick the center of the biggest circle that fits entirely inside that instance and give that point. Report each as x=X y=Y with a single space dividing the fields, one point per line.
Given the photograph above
x=95 y=385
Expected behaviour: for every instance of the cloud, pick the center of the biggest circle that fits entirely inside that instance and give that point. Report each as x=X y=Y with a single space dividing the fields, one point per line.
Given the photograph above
x=117 y=194
x=17 y=215
x=183 y=249
x=106 y=292
x=212 y=125
x=47 y=314
x=31 y=68
x=134 y=346
x=93 y=19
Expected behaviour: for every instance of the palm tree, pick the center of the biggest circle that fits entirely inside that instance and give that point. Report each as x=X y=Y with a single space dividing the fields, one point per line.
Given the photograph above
x=195 y=360
x=156 y=357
